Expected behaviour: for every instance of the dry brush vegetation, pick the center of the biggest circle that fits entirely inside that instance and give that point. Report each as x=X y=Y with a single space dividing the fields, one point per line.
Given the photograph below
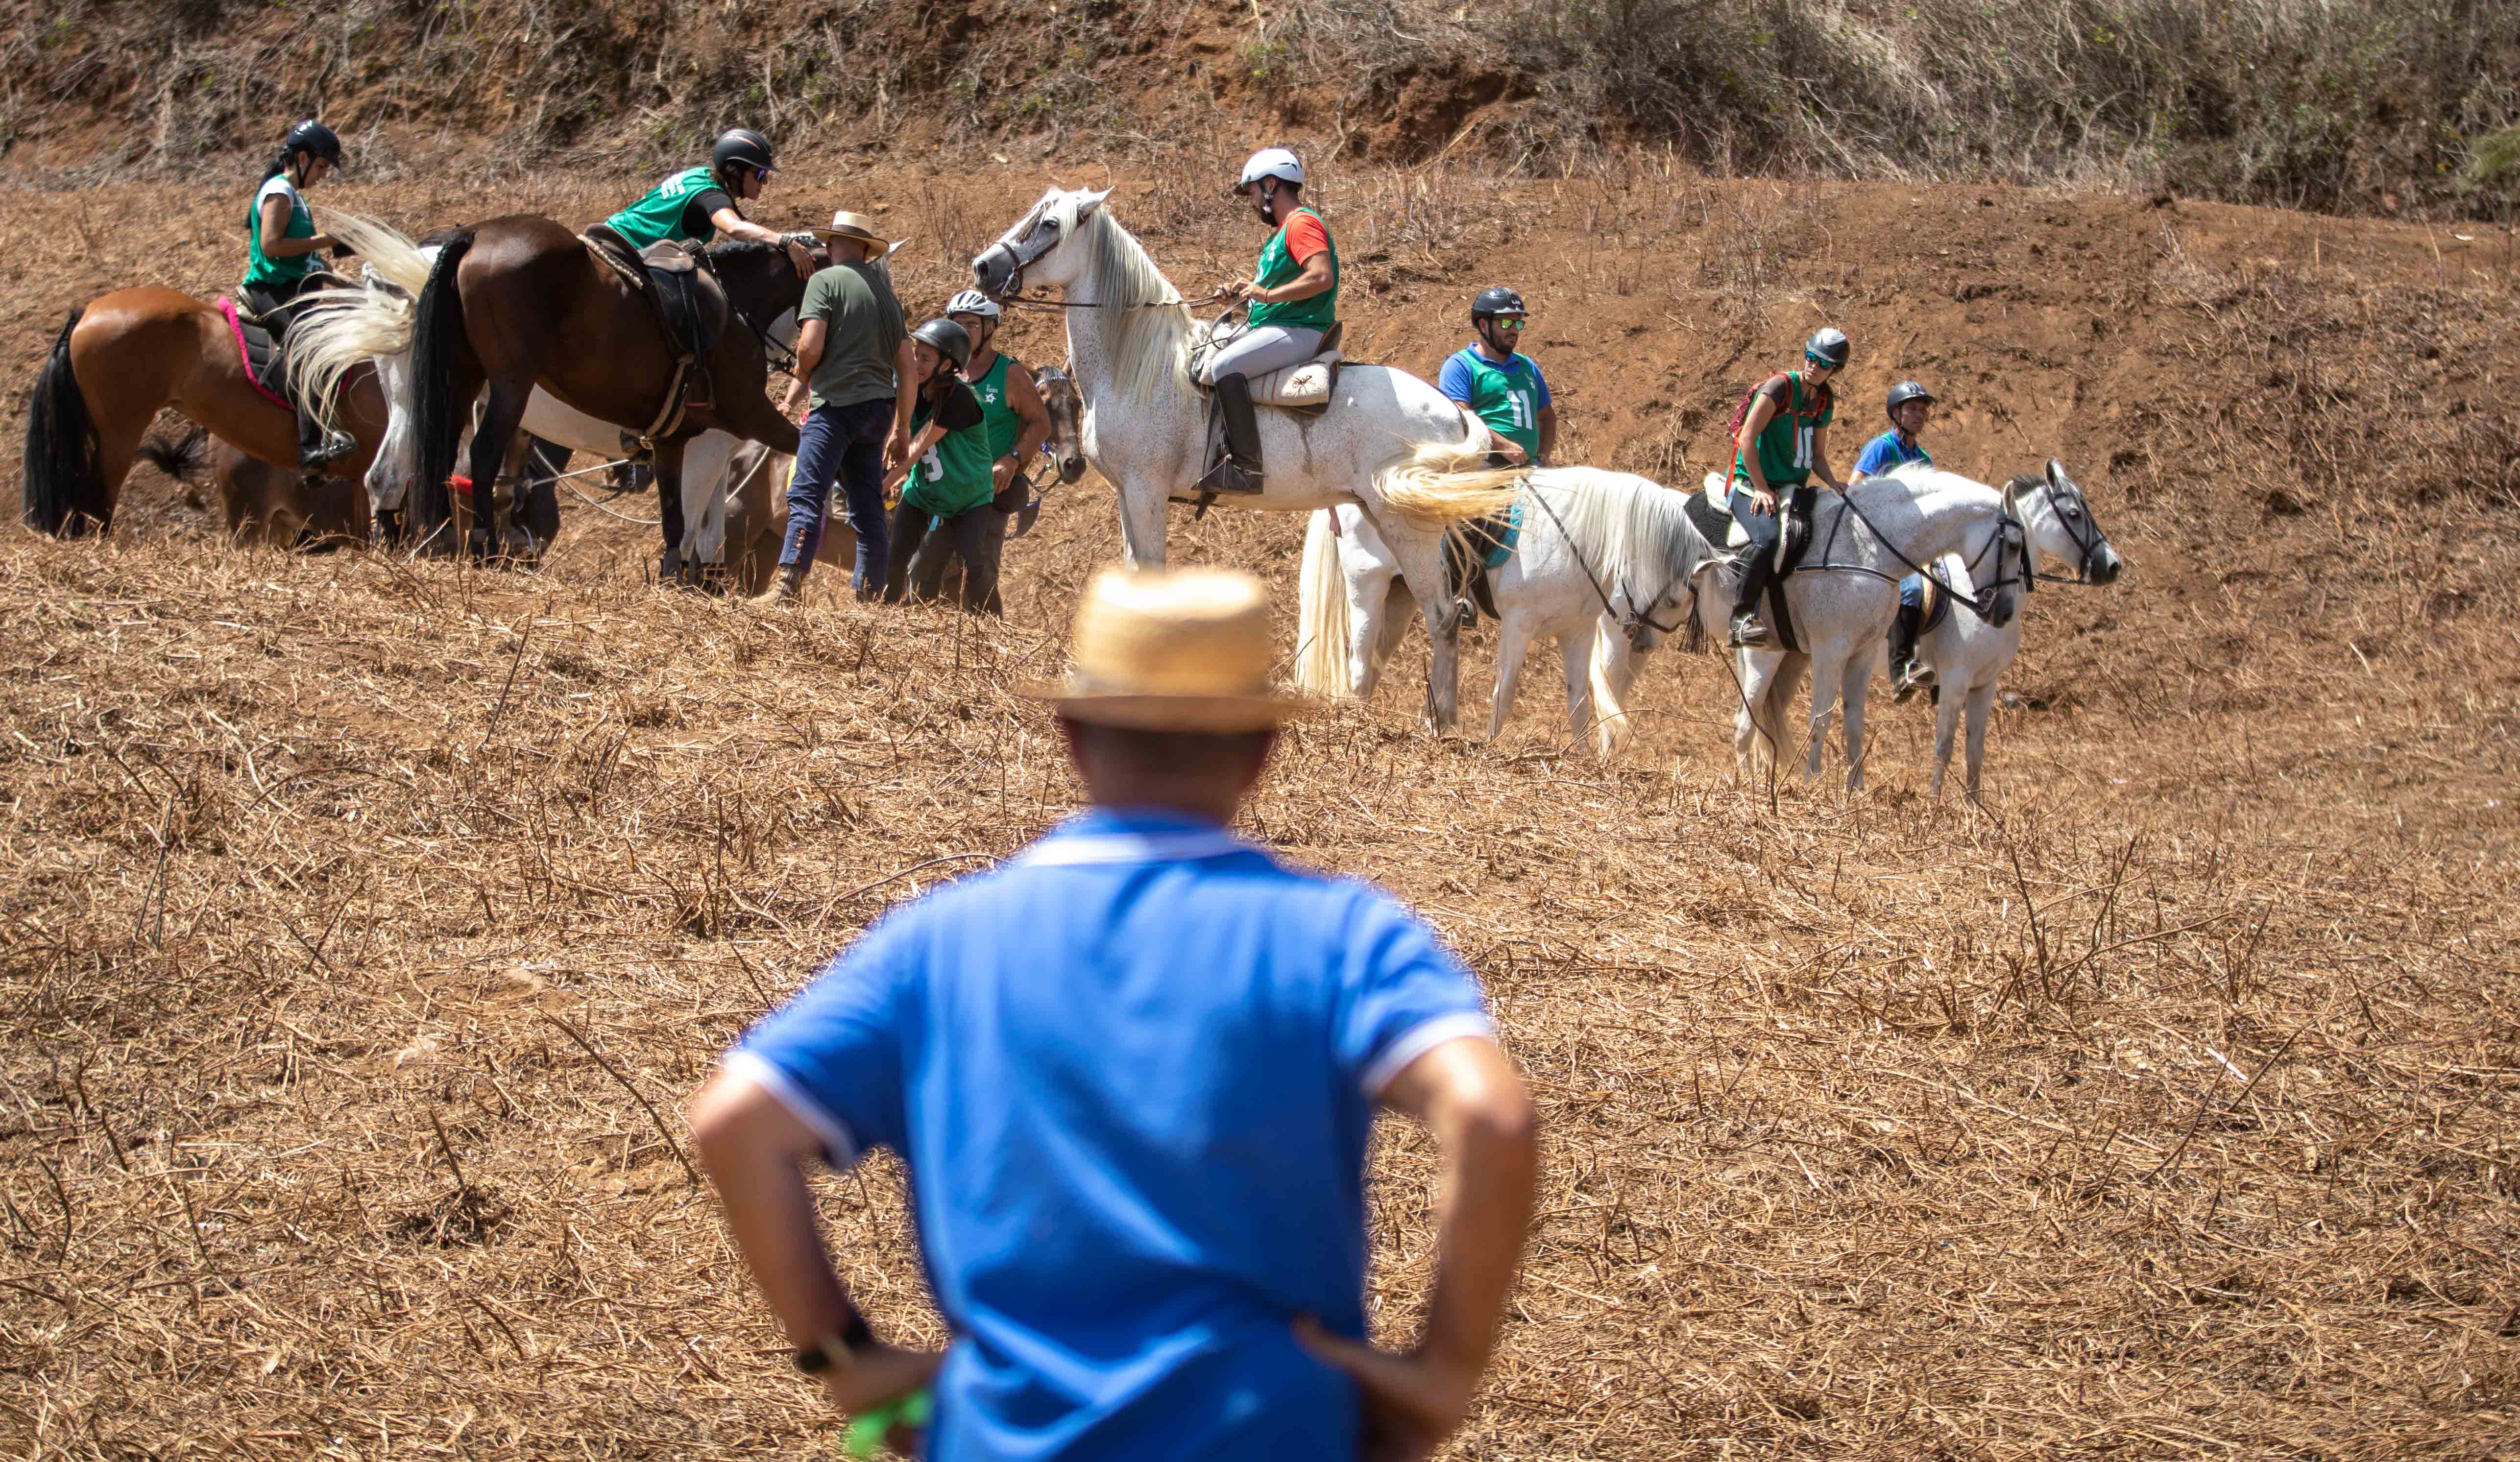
x=365 y=920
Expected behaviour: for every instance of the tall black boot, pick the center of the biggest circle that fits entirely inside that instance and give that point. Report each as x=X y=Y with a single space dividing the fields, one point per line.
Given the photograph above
x=1757 y=568
x=318 y=448
x=1234 y=439
x=1907 y=676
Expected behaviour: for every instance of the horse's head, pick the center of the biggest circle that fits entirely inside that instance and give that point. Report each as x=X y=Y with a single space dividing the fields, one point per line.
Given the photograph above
x=2057 y=520
x=1066 y=408
x=761 y=280
x=1041 y=246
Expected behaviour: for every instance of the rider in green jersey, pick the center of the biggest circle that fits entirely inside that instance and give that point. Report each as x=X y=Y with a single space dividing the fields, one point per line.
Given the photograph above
x=1498 y=384
x=1014 y=424
x=1784 y=441
x=281 y=244
x=946 y=472
x=698 y=205
x=1293 y=301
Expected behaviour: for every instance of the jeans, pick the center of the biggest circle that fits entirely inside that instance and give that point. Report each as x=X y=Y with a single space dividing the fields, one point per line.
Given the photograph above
x=844 y=442
x=1270 y=347
x=1764 y=529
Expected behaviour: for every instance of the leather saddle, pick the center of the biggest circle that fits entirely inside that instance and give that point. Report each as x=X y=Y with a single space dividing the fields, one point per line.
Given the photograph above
x=690 y=306
x=1473 y=551
x=1710 y=513
x=266 y=361
x=1306 y=387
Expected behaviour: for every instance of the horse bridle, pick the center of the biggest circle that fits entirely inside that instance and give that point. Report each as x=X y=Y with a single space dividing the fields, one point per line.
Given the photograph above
x=2088 y=546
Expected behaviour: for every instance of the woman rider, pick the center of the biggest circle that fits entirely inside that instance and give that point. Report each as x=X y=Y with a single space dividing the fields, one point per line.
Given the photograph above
x=1015 y=424
x=1293 y=301
x=945 y=474
x=1782 y=441
x=1910 y=405
x=698 y=205
x=280 y=244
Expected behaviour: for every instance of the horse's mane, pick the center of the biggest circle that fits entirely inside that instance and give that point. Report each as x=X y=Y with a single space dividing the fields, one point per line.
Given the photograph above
x=1615 y=519
x=1149 y=328
x=737 y=250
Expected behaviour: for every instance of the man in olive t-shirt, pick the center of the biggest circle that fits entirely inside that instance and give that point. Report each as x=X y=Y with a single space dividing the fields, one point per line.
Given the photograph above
x=850 y=344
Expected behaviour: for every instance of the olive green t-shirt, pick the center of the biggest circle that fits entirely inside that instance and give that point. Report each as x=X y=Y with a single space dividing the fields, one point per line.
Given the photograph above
x=862 y=328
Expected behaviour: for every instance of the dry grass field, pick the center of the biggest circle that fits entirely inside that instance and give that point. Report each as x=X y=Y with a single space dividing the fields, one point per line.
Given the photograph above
x=363 y=922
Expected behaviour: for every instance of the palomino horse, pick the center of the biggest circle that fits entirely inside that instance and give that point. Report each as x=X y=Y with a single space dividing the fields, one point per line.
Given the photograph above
x=755 y=496
x=521 y=301
x=121 y=358
x=1603 y=562
x=1970 y=655
x=1129 y=338
x=1846 y=593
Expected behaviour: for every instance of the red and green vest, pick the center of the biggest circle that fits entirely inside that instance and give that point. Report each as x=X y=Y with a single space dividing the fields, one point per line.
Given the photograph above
x=658 y=216
x=1279 y=267
x=1785 y=442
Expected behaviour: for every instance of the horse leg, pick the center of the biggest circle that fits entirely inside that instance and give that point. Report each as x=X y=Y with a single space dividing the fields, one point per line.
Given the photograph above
x=1514 y=639
x=1827 y=681
x=1947 y=720
x=1141 y=524
x=1421 y=556
x=492 y=436
x=1754 y=743
x=1370 y=619
x=1575 y=647
x=1981 y=703
x=668 y=464
x=1858 y=673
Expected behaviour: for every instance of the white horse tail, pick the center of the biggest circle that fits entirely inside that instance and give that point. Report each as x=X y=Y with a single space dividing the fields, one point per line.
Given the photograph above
x=1322 y=613
x=337 y=330
x=1610 y=728
x=1436 y=486
x=382 y=251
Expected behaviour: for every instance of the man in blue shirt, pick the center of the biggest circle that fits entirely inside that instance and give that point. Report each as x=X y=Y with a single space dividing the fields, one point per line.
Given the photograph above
x=1132 y=1074
x=1910 y=405
x=1498 y=384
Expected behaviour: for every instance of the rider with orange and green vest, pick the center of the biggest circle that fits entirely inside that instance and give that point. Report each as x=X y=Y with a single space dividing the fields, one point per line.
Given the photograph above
x=1782 y=444
x=1293 y=301
x=698 y=205
x=281 y=244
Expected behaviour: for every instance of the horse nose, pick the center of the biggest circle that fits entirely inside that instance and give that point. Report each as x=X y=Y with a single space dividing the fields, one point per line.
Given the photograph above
x=1070 y=468
x=2107 y=566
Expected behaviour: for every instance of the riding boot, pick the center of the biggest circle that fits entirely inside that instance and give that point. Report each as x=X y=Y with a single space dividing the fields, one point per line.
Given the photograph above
x=1905 y=674
x=317 y=447
x=784 y=588
x=1234 y=439
x=1747 y=632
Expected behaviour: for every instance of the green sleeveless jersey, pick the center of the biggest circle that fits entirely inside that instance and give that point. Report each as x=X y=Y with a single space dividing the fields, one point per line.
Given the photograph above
x=1279 y=267
x=1508 y=399
x=953 y=479
x=998 y=420
x=1785 y=442
x=658 y=216
x=262 y=269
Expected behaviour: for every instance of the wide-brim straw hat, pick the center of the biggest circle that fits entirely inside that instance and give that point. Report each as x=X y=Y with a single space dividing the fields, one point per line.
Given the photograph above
x=847 y=224
x=1172 y=650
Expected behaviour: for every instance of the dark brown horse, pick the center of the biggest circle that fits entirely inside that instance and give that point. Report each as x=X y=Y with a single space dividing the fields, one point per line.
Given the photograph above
x=521 y=301
x=121 y=358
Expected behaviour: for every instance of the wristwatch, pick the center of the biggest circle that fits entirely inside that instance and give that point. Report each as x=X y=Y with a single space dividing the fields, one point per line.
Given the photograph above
x=838 y=1351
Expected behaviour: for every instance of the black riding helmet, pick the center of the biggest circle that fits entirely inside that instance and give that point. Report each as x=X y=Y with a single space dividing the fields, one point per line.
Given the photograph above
x=951 y=340
x=1903 y=393
x=1827 y=345
x=744 y=146
x=313 y=138
x=1496 y=299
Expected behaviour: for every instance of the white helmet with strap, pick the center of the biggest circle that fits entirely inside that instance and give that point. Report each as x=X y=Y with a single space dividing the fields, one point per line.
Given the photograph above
x=972 y=302
x=1272 y=162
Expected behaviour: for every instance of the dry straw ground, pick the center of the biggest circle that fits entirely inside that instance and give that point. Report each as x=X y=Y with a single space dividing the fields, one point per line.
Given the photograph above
x=365 y=922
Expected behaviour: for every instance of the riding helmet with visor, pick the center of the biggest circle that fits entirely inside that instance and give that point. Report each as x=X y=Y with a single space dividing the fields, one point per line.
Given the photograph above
x=972 y=302
x=1828 y=347
x=313 y=138
x=1903 y=393
x=741 y=146
x=1496 y=299
x=1271 y=162
x=949 y=339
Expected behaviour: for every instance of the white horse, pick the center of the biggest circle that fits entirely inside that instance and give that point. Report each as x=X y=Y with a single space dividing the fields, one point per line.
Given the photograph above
x=1844 y=596
x=337 y=330
x=1603 y=562
x=1968 y=654
x=1129 y=341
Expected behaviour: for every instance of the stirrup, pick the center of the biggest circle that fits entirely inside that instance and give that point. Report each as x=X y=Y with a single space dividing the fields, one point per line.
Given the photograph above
x=1917 y=677
x=1748 y=631
x=335 y=446
x=1229 y=475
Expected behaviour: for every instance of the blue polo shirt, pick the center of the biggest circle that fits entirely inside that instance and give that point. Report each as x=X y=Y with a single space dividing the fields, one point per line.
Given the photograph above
x=1887 y=451
x=1131 y=1073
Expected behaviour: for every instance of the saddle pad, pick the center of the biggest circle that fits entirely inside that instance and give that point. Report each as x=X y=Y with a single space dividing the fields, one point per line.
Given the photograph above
x=1921 y=592
x=1710 y=514
x=260 y=354
x=1307 y=384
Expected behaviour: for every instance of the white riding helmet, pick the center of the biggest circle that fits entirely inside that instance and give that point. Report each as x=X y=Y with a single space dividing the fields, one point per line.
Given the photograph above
x=972 y=302
x=1272 y=162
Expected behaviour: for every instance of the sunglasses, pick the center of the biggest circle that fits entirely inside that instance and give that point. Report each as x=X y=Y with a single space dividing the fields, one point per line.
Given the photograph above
x=1504 y=322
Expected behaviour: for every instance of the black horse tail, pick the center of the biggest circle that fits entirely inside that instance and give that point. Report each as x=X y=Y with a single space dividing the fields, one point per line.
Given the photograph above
x=66 y=492
x=438 y=318
x=181 y=457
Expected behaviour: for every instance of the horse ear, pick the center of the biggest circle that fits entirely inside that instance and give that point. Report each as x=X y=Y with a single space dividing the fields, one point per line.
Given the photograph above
x=2055 y=475
x=1091 y=200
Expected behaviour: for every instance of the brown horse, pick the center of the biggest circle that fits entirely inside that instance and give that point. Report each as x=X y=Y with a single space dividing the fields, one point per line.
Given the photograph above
x=283 y=507
x=122 y=357
x=521 y=301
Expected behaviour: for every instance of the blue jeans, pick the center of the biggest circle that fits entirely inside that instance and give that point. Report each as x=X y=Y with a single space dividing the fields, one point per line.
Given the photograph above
x=845 y=442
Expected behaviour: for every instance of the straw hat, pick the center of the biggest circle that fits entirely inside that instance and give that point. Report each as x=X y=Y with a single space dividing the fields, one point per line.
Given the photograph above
x=857 y=226
x=1172 y=650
